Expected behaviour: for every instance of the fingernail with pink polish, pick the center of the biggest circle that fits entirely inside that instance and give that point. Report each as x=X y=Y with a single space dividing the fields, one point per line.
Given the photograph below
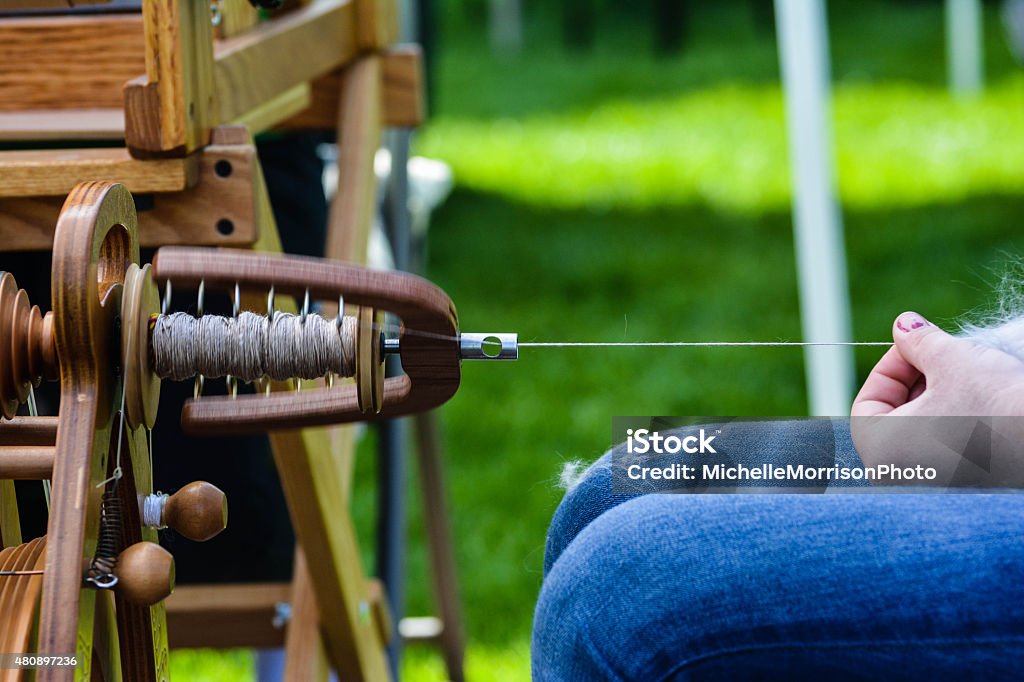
x=908 y=322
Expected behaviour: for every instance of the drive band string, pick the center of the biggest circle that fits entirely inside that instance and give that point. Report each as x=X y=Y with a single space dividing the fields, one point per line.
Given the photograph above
x=689 y=344
x=396 y=329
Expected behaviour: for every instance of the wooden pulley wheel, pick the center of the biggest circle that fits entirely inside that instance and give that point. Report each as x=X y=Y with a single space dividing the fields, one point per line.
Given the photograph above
x=26 y=346
x=140 y=302
x=369 y=360
x=8 y=386
x=19 y=599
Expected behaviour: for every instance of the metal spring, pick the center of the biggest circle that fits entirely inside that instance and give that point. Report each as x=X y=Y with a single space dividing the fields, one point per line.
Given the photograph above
x=108 y=546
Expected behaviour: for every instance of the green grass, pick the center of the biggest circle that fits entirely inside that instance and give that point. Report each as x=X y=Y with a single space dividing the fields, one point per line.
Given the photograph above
x=207 y=665
x=725 y=147
x=613 y=196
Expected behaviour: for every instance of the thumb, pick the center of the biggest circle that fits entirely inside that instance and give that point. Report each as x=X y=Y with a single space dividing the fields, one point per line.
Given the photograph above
x=921 y=343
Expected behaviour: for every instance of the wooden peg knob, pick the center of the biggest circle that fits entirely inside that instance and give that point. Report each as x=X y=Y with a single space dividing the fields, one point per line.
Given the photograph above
x=199 y=511
x=145 y=573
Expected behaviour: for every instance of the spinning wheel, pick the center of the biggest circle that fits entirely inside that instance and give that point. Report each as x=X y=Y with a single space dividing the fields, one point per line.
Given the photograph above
x=99 y=577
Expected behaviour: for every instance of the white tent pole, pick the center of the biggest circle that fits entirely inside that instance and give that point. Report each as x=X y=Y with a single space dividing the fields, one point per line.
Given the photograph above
x=817 y=224
x=505 y=18
x=964 y=55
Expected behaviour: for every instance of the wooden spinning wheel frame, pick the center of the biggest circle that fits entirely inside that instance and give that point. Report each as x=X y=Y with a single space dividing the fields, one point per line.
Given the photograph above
x=322 y=64
x=97 y=290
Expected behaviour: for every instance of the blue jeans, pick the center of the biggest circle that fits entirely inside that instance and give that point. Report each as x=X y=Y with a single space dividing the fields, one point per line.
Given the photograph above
x=786 y=587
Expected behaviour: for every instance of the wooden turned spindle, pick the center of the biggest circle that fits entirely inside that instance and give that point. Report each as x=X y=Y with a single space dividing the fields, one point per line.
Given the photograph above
x=145 y=573
x=199 y=511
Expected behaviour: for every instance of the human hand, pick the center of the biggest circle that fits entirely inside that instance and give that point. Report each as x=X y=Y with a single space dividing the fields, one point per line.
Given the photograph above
x=929 y=372
x=942 y=384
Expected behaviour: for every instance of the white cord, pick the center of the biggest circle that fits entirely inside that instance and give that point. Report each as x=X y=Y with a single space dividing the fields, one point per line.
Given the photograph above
x=611 y=344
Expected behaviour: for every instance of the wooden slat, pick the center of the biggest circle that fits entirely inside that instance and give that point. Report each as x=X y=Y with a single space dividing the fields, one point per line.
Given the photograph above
x=65 y=62
x=258 y=65
x=43 y=125
x=225 y=616
x=249 y=72
x=402 y=93
x=47 y=4
x=27 y=224
x=54 y=172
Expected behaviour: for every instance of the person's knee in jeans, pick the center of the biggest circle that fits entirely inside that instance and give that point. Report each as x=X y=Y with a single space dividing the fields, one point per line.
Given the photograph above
x=592 y=492
x=669 y=587
x=588 y=495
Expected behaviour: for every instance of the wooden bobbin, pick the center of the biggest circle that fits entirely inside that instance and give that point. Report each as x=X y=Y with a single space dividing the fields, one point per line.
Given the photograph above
x=199 y=511
x=369 y=360
x=145 y=573
x=140 y=302
x=27 y=353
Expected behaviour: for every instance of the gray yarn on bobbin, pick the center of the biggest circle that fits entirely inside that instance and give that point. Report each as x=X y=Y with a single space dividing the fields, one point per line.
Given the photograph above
x=252 y=346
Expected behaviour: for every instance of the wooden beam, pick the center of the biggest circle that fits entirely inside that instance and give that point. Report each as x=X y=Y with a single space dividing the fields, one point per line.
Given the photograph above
x=54 y=172
x=301 y=107
x=223 y=616
x=263 y=63
x=312 y=468
x=377 y=23
x=309 y=470
x=403 y=98
x=355 y=202
x=305 y=658
x=170 y=110
x=220 y=210
x=404 y=95
x=236 y=16
x=280 y=108
x=69 y=62
x=380 y=607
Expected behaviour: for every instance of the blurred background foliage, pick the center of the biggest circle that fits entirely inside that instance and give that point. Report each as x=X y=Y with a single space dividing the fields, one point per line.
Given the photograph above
x=610 y=189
